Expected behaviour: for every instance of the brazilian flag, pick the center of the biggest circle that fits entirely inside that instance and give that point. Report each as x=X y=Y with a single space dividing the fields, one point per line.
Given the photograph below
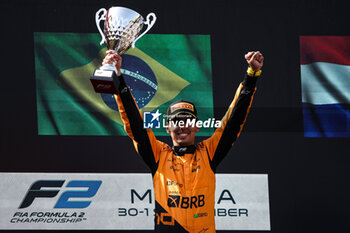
x=159 y=70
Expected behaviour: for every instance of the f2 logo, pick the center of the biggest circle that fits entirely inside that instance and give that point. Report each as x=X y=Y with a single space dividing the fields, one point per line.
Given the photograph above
x=35 y=191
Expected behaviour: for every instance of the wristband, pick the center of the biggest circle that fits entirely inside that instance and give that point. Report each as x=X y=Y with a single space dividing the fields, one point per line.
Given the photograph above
x=253 y=73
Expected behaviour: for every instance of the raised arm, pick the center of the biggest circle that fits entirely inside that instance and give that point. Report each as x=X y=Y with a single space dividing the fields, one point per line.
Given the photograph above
x=232 y=123
x=144 y=140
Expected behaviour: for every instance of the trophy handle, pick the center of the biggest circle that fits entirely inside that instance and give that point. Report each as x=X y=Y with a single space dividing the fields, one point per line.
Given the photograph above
x=98 y=18
x=149 y=24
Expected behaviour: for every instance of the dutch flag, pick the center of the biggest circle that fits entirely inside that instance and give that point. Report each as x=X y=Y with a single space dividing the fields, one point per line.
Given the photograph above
x=325 y=78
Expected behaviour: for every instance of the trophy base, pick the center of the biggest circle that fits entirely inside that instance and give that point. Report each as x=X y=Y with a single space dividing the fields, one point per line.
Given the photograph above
x=105 y=81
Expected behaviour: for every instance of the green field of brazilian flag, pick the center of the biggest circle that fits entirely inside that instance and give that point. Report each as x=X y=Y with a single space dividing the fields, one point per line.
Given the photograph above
x=159 y=70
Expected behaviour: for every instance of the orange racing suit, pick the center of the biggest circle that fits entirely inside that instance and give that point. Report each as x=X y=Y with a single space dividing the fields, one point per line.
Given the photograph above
x=183 y=177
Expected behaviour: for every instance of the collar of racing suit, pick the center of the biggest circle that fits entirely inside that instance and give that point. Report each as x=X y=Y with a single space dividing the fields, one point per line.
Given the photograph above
x=181 y=150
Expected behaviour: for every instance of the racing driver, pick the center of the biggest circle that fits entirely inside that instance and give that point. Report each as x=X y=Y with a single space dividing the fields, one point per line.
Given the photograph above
x=184 y=174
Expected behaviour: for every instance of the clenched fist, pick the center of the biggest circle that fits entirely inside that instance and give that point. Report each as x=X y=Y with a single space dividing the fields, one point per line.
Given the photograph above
x=255 y=60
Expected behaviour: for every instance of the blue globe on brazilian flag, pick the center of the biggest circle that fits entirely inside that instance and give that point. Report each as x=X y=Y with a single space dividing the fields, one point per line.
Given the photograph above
x=159 y=70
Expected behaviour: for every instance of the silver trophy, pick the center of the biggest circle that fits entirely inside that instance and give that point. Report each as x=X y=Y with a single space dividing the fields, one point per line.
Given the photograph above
x=122 y=28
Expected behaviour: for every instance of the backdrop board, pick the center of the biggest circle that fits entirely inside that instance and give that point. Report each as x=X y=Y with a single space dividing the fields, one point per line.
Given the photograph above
x=123 y=201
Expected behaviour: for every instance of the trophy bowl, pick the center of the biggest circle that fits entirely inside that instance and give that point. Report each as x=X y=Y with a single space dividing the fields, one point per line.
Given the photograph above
x=122 y=27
